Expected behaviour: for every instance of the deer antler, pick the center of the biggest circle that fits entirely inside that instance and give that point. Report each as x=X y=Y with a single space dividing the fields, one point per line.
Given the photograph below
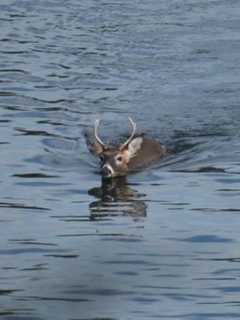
x=134 y=126
x=97 y=122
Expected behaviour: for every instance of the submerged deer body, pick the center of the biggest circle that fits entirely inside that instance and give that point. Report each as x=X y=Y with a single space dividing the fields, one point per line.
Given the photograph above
x=135 y=154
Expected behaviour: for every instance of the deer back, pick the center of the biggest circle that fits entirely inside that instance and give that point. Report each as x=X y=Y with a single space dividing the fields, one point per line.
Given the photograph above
x=150 y=152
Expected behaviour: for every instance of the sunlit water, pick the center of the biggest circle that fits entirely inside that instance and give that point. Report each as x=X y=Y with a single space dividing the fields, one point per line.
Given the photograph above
x=161 y=244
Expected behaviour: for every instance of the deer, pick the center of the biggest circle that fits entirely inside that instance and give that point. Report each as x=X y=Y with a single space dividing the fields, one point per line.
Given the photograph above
x=135 y=154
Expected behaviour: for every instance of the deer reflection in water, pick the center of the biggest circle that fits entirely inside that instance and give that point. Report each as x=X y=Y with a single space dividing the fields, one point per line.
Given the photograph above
x=116 y=197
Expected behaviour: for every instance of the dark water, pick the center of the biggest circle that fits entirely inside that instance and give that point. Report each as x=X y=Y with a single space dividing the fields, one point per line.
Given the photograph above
x=163 y=244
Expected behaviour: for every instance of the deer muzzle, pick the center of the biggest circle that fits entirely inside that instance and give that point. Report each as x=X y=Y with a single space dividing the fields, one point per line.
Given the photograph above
x=107 y=171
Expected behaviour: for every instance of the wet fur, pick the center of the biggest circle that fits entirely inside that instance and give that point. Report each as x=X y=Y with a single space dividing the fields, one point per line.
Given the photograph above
x=151 y=151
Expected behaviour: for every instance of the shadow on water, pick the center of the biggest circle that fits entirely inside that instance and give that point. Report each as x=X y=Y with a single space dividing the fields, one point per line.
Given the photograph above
x=116 y=197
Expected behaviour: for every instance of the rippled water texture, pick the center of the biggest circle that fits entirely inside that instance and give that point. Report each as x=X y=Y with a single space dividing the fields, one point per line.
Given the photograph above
x=161 y=244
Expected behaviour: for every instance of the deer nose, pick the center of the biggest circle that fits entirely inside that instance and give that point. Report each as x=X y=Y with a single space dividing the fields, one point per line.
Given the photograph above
x=107 y=171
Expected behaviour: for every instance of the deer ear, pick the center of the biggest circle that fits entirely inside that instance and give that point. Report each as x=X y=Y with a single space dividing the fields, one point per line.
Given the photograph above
x=134 y=146
x=95 y=148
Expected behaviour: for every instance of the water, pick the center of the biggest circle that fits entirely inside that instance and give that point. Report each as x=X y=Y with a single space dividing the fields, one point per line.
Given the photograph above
x=161 y=244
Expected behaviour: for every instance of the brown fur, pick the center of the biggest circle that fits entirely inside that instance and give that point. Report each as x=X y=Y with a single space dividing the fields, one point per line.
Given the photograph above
x=150 y=152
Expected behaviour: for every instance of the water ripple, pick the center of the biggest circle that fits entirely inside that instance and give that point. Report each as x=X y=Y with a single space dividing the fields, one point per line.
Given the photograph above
x=160 y=244
x=21 y=206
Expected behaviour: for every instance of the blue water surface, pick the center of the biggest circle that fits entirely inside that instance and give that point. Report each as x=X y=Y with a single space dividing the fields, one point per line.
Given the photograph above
x=160 y=244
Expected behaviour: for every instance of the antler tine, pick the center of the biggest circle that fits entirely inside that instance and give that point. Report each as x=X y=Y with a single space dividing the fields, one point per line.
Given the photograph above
x=134 y=127
x=97 y=122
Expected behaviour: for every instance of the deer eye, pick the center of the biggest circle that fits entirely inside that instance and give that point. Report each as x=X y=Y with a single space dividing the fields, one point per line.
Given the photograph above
x=101 y=157
x=119 y=158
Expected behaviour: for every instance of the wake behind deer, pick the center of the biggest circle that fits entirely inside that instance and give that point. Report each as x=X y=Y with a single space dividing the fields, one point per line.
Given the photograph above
x=135 y=154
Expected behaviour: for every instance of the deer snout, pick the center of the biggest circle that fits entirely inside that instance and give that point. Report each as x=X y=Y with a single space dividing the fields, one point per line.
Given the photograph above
x=107 y=171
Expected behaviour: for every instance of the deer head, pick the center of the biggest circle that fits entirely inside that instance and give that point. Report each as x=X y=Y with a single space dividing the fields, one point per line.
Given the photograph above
x=115 y=161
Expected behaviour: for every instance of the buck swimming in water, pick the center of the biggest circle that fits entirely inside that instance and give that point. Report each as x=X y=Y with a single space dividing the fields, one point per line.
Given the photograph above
x=136 y=153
